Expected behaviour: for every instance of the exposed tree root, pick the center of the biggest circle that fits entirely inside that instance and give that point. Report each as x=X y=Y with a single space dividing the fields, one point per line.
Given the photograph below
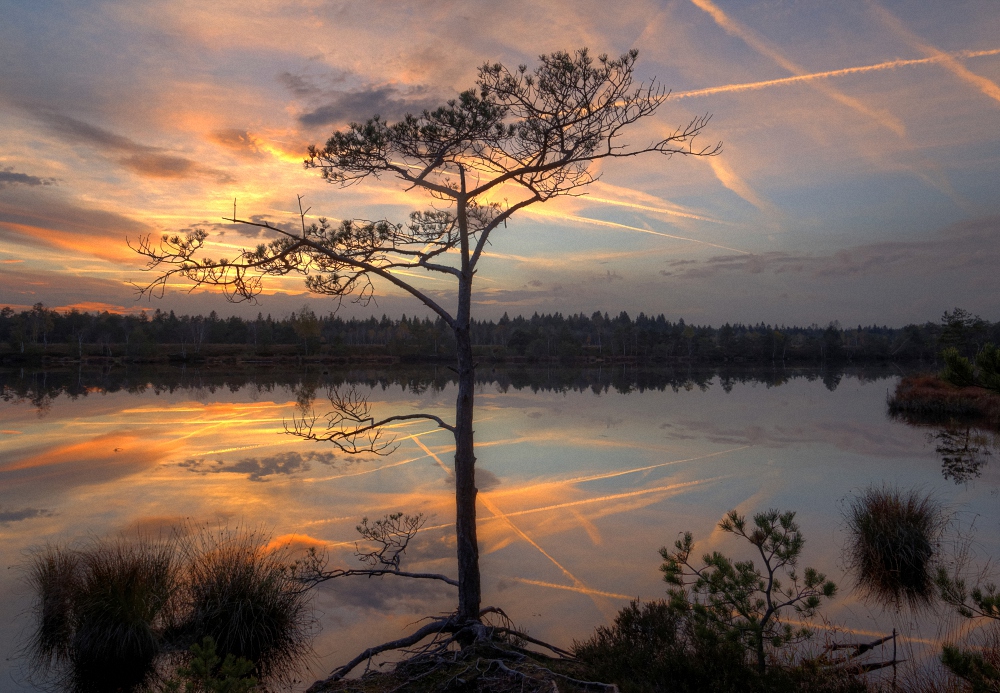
x=470 y=656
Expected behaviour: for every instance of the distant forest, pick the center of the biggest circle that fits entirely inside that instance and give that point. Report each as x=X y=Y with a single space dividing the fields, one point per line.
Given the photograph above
x=49 y=334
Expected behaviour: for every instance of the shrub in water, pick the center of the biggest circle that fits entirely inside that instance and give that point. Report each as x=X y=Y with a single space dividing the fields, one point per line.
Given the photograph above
x=892 y=545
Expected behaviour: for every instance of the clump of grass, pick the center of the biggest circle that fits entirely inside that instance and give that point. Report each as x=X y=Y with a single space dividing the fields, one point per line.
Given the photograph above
x=892 y=545
x=123 y=602
x=101 y=610
x=110 y=615
x=244 y=597
x=53 y=575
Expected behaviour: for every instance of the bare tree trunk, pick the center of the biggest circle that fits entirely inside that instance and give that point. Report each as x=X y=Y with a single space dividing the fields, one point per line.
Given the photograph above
x=469 y=592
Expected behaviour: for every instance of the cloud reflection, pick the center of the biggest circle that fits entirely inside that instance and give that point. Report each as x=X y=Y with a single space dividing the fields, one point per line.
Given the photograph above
x=258 y=468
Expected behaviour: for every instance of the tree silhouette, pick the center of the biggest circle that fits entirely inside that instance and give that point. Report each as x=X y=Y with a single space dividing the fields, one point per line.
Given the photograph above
x=517 y=138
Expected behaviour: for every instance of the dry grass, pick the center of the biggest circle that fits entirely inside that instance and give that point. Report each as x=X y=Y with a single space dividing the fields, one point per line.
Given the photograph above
x=892 y=545
x=929 y=399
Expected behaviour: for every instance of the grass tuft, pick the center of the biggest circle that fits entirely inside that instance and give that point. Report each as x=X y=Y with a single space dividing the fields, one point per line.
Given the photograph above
x=242 y=595
x=99 y=611
x=892 y=544
x=111 y=614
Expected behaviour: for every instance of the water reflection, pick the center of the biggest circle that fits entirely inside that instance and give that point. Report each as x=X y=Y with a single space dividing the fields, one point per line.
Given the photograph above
x=40 y=388
x=584 y=475
x=964 y=451
x=963 y=443
x=259 y=468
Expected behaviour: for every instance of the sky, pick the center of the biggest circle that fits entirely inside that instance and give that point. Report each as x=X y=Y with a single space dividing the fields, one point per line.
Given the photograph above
x=858 y=180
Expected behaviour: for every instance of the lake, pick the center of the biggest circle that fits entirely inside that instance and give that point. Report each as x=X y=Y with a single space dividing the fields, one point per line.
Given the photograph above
x=584 y=475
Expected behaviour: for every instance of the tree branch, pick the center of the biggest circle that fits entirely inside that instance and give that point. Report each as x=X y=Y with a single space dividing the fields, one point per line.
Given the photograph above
x=374 y=572
x=433 y=628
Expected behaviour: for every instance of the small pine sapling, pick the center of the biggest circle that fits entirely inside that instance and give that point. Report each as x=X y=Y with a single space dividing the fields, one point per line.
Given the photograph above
x=738 y=599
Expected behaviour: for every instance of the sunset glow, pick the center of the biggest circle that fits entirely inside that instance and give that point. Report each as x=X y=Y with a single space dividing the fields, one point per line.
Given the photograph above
x=842 y=126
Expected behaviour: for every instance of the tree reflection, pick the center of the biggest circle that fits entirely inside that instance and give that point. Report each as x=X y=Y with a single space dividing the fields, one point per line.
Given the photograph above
x=964 y=451
x=40 y=388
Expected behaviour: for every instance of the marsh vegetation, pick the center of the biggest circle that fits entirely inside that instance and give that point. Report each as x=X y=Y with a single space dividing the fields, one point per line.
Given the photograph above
x=119 y=614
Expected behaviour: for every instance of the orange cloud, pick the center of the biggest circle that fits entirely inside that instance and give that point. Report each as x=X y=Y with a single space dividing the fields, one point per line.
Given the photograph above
x=100 y=459
x=295 y=543
x=106 y=248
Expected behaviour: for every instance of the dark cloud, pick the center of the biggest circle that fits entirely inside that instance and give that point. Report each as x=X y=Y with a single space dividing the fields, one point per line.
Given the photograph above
x=358 y=106
x=78 y=131
x=298 y=85
x=961 y=246
x=152 y=165
x=7 y=516
x=258 y=468
x=24 y=287
x=10 y=177
x=143 y=159
x=238 y=141
x=486 y=480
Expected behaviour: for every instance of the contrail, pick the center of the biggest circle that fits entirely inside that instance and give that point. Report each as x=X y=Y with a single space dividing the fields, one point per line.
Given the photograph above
x=582 y=590
x=601 y=222
x=578 y=584
x=437 y=459
x=615 y=496
x=648 y=208
x=735 y=28
x=984 y=85
x=888 y=65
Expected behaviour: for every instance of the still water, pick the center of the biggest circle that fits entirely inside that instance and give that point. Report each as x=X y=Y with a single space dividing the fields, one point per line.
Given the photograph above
x=583 y=476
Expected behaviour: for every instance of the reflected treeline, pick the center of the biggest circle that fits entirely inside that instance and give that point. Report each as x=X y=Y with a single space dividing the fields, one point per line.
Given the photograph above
x=41 y=387
x=963 y=427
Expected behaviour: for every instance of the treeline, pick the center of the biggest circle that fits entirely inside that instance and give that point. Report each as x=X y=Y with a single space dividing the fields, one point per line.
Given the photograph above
x=551 y=337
